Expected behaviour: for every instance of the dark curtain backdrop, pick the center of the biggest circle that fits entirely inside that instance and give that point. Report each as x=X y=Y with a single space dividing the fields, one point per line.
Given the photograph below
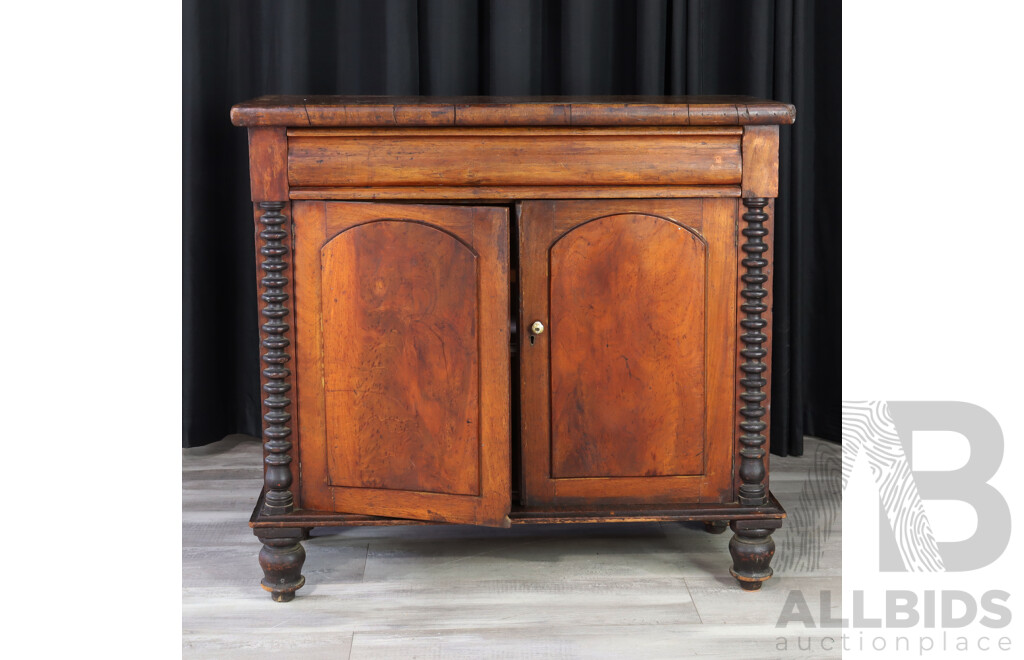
x=788 y=50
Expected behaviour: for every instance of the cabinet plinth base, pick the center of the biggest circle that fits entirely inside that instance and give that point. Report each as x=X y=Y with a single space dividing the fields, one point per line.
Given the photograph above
x=521 y=515
x=751 y=546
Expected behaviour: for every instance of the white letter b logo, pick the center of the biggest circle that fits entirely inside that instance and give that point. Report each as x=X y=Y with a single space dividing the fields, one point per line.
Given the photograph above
x=883 y=431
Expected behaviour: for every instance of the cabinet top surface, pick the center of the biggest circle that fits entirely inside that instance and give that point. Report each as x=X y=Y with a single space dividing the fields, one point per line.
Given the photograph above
x=378 y=111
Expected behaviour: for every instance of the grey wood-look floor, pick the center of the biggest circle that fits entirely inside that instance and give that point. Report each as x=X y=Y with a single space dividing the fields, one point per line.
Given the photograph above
x=644 y=590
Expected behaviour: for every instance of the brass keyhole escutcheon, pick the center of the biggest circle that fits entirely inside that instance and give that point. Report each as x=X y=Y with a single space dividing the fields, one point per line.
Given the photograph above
x=537 y=327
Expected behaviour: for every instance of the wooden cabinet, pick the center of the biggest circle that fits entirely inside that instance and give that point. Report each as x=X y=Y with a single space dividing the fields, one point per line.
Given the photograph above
x=499 y=311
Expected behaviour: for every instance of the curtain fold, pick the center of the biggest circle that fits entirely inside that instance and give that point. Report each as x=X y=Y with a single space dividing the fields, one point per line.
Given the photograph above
x=233 y=50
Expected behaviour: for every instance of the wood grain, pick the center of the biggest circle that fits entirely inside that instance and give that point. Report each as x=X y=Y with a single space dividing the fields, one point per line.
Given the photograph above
x=268 y=164
x=719 y=219
x=512 y=114
x=543 y=224
x=308 y=397
x=513 y=130
x=502 y=193
x=501 y=111
x=403 y=338
x=402 y=377
x=504 y=160
x=627 y=301
x=760 y=161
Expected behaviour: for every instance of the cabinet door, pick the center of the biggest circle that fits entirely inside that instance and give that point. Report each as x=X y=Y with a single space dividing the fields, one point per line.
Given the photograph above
x=628 y=391
x=402 y=356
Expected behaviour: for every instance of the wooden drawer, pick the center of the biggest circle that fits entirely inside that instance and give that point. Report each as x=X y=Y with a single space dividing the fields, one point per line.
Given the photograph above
x=699 y=155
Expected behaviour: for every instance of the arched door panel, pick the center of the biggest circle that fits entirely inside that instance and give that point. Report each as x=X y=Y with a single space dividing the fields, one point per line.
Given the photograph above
x=401 y=315
x=627 y=393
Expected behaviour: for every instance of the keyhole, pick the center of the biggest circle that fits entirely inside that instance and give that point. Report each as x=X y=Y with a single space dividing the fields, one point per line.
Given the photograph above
x=531 y=340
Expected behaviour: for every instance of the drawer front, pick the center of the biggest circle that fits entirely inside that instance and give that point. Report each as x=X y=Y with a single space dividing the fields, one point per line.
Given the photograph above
x=503 y=157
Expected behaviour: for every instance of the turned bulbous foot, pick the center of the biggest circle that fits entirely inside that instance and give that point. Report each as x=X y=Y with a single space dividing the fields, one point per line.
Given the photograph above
x=281 y=558
x=716 y=526
x=752 y=549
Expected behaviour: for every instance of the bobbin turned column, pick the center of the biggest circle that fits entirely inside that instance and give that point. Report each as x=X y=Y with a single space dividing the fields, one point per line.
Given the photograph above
x=752 y=546
x=277 y=475
x=753 y=368
x=282 y=555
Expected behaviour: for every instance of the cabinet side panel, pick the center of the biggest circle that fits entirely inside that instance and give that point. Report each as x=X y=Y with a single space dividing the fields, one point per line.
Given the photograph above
x=401 y=359
x=627 y=349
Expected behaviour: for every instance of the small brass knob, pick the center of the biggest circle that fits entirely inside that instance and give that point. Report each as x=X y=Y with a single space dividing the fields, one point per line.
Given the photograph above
x=537 y=327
